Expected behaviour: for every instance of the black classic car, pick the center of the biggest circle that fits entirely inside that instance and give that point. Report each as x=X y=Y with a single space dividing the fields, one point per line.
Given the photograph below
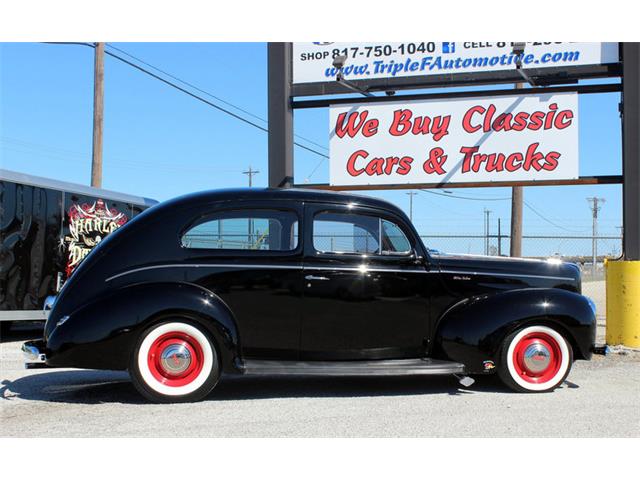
x=286 y=281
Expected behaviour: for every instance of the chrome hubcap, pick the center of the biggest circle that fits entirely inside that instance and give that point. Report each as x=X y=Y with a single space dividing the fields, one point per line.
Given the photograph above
x=175 y=359
x=537 y=358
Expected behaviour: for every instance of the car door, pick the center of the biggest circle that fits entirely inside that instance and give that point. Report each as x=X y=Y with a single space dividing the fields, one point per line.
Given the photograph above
x=366 y=296
x=250 y=256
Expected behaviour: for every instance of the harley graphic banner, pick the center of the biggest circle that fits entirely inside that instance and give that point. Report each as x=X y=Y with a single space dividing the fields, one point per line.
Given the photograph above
x=89 y=224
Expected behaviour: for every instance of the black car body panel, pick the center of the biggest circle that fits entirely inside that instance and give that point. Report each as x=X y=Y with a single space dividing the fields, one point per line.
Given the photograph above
x=305 y=304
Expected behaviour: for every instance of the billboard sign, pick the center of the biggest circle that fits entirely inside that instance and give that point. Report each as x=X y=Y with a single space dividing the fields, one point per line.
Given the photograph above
x=483 y=139
x=312 y=62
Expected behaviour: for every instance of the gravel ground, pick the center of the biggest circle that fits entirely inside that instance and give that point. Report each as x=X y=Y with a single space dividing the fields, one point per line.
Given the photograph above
x=601 y=399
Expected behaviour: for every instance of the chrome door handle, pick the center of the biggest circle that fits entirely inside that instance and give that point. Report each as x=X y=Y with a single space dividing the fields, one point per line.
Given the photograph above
x=313 y=277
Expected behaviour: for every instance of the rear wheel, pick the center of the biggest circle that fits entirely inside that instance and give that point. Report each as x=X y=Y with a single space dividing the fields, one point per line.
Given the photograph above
x=535 y=359
x=175 y=361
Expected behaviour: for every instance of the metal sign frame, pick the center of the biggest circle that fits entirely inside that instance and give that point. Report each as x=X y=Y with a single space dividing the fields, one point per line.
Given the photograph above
x=282 y=93
x=542 y=76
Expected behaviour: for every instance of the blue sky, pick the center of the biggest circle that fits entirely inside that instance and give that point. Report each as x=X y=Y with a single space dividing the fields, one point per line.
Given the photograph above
x=159 y=143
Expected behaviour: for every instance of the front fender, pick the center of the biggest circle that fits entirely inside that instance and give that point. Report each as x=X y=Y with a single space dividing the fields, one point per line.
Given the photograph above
x=102 y=334
x=472 y=331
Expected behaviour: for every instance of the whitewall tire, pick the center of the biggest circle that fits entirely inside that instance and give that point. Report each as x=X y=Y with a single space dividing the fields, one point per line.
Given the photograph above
x=536 y=358
x=175 y=361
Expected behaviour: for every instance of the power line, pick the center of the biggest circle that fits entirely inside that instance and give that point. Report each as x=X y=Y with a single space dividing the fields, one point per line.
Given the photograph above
x=505 y=198
x=465 y=198
x=549 y=221
x=191 y=94
x=204 y=100
x=164 y=72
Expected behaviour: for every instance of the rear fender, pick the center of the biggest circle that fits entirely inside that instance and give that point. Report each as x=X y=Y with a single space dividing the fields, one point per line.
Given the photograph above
x=103 y=333
x=473 y=330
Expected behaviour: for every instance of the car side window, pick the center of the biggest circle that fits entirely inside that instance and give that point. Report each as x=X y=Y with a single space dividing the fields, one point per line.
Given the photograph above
x=357 y=233
x=245 y=230
x=393 y=239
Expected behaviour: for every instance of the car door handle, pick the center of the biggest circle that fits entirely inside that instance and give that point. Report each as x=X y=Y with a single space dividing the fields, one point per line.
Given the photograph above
x=313 y=277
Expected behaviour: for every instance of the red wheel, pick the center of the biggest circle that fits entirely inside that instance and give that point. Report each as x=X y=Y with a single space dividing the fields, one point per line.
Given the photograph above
x=175 y=361
x=535 y=359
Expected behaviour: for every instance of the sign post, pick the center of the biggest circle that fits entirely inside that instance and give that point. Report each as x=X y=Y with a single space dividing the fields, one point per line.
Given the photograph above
x=280 y=115
x=623 y=276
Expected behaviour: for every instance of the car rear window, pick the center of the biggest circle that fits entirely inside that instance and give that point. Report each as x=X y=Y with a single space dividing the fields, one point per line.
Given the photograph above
x=245 y=230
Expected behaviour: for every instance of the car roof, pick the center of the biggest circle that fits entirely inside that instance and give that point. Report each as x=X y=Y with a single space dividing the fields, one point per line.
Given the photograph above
x=295 y=194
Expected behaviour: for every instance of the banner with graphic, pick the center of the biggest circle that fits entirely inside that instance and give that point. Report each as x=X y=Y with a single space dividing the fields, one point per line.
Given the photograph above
x=484 y=139
x=88 y=224
x=312 y=61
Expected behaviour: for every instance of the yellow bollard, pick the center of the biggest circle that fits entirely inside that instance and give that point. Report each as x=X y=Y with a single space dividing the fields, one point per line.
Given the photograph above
x=623 y=303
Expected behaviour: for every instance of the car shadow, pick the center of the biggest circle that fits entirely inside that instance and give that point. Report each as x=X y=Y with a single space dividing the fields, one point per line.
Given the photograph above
x=96 y=387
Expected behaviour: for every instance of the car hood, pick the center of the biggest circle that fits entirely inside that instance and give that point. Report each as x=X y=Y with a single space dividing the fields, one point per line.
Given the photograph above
x=504 y=266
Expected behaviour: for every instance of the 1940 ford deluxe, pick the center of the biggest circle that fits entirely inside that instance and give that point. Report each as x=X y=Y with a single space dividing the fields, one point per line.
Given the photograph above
x=270 y=281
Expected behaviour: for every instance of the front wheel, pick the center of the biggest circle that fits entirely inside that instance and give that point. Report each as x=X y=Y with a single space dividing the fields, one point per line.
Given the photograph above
x=535 y=359
x=175 y=361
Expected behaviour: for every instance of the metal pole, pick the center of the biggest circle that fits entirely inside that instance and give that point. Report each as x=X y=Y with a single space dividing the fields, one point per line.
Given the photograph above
x=280 y=115
x=631 y=150
x=499 y=239
x=486 y=231
x=250 y=173
x=98 y=118
x=517 y=198
x=594 y=232
x=411 y=195
x=595 y=208
x=623 y=287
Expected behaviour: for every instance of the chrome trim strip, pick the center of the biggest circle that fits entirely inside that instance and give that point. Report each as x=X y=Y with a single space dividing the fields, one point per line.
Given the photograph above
x=341 y=269
x=280 y=267
x=497 y=274
x=367 y=269
x=203 y=265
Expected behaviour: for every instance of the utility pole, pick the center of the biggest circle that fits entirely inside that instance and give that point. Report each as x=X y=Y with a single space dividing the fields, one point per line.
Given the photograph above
x=486 y=231
x=98 y=119
x=250 y=173
x=499 y=238
x=517 y=198
x=595 y=208
x=411 y=195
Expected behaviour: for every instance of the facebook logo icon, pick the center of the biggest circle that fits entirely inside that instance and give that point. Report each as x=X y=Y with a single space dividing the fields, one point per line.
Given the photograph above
x=448 y=47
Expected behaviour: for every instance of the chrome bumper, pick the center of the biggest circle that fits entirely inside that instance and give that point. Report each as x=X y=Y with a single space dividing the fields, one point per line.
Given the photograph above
x=33 y=354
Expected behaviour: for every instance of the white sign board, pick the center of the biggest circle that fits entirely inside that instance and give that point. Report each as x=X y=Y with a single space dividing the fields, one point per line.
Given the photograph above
x=509 y=138
x=312 y=62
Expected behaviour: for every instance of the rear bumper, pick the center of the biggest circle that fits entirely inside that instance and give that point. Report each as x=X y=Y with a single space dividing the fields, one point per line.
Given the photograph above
x=34 y=354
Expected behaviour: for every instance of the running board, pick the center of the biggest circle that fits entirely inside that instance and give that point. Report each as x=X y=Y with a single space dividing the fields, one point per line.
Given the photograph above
x=414 y=366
